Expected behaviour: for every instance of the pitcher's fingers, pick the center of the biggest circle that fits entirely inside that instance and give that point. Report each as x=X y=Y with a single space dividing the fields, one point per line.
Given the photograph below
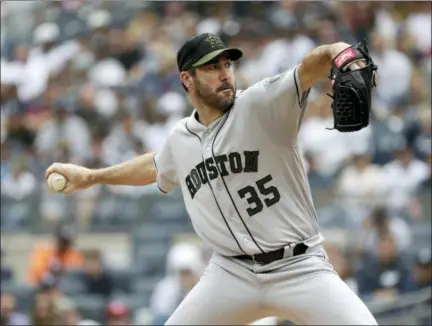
x=49 y=171
x=69 y=188
x=55 y=167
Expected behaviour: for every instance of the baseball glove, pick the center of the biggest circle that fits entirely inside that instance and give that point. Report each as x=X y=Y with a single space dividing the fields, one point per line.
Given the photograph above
x=352 y=89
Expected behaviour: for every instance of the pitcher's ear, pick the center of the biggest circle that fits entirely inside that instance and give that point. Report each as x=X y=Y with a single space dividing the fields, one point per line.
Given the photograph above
x=186 y=78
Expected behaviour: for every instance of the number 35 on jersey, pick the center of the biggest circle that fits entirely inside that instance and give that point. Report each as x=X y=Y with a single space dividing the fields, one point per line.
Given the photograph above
x=259 y=194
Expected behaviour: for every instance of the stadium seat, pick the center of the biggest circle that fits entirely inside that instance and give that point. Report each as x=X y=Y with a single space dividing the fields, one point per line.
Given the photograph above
x=422 y=232
x=168 y=209
x=332 y=216
x=121 y=280
x=73 y=273
x=151 y=233
x=145 y=285
x=16 y=214
x=90 y=306
x=150 y=259
x=71 y=285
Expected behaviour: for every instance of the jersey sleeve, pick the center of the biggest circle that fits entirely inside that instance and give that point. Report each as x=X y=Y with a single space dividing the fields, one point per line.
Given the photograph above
x=165 y=169
x=280 y=104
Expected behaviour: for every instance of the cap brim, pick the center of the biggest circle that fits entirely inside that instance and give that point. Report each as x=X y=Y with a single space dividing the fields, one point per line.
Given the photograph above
x=233 y=54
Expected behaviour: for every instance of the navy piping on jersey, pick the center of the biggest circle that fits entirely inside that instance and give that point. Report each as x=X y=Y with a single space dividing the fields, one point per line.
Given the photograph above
x=157 y=179
x=226 y=188
x=211 y=189
x=302 y=104
x=301 y=100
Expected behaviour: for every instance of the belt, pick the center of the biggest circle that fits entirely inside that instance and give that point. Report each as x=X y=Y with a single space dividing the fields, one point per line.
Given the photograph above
x=269 y=257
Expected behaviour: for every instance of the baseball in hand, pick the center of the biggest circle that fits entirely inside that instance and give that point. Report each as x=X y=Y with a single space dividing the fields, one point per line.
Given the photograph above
x=57 y=182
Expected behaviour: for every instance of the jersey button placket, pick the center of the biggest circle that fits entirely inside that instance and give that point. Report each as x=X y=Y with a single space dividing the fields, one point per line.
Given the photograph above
x=218 y=184
x=206 y=144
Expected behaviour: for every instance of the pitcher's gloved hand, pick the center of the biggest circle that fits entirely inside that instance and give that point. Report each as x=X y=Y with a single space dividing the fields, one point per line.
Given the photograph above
x=353 y=74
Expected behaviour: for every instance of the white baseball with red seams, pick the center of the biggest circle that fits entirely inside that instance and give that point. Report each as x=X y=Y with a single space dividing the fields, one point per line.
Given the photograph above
x=57 y=182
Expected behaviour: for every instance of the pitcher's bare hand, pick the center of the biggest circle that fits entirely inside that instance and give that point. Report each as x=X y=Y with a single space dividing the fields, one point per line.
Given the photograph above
x=78 y=177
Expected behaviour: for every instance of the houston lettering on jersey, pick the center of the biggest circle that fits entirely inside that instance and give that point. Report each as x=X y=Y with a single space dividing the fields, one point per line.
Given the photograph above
x=225 y=164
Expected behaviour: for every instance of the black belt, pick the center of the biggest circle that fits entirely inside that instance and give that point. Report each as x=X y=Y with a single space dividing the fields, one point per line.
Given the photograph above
x=269 y=257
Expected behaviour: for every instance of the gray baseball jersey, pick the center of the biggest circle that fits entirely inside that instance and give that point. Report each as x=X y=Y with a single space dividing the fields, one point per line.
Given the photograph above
x=243 y=179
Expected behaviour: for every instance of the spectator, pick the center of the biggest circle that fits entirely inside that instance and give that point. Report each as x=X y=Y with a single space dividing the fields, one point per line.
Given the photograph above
x=393 y=65
x=50 y=286
x=321 y=185
x=18 y=186
x=170 y=108
x=342 y=265
x=117 y=314
x=18 y=134
x=20 y=183
x=421 y=276
x=427 y=183
x=418 y=25
x=402 y=178
x=99 y=21
x=381 y=222
x=123 y=140
x=423 y=141
x=65 y=137
x=97 y=123
x=49 y=51
x=329 y=148
x=162 y=78
x=66 y=312
x=125 y=48
x=43 y=311
x=383 y=275
x=63 y=309
x=8 y=315
x=60 y=255
x=327 y=29
x=6 y=273
x=11 y=106
x=95 y=277
x=360 y=184
x=317 y=180
x=184 y=268
x=44 y=61
x=107 y=72
x=289 y=39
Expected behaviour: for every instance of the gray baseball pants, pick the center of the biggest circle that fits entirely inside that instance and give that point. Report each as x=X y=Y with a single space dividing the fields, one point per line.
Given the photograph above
x=304 y=289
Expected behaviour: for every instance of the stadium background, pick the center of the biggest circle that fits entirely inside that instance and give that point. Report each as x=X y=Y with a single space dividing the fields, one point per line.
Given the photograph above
x=95 y=83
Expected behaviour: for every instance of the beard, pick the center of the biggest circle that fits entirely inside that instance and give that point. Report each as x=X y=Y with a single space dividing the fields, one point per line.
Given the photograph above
x=215 y=99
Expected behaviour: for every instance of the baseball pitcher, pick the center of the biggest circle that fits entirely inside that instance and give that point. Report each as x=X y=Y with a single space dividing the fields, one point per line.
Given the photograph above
x=238 y=164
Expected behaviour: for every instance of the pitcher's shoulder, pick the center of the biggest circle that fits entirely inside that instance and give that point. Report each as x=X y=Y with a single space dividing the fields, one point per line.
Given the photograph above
x=179 y=127
x=262 y=89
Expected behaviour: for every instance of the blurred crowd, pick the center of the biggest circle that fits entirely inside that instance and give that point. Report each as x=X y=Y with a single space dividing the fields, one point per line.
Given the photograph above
x=68 y=286
x=96 y=83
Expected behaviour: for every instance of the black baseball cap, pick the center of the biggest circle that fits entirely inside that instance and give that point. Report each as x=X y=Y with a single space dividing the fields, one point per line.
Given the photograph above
x=202 y=49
